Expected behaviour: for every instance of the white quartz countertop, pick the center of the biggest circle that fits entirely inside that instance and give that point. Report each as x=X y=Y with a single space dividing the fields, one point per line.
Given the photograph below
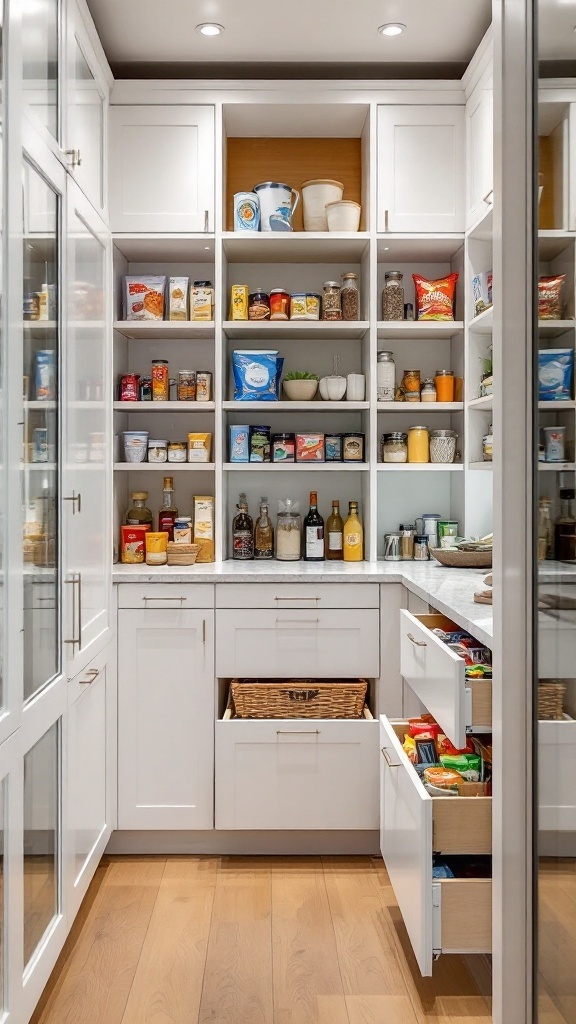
x=450 y=591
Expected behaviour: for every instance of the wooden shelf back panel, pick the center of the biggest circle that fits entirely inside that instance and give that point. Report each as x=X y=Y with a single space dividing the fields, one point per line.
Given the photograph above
x=251 y=161
x=546 y=167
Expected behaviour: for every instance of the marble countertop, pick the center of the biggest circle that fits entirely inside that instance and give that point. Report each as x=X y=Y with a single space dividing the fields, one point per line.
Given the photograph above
x=450 y=591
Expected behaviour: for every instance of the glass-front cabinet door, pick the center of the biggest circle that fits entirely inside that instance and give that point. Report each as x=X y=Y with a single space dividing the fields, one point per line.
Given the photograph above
x=87 y=459
x=40 y=30
x=85 y=115
x=40 y=477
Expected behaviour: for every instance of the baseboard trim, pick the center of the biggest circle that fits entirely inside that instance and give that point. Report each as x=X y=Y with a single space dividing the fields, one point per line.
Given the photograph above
x=274 y=843
x=557 y=844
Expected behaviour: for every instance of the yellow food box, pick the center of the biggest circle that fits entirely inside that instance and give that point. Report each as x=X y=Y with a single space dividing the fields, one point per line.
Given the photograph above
x=239 y=302
x=204 y=526
x=201 y=303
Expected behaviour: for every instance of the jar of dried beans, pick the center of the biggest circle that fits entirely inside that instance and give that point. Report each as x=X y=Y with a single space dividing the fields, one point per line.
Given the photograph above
x=393 y=296
x=350 y=297
x=331 y=301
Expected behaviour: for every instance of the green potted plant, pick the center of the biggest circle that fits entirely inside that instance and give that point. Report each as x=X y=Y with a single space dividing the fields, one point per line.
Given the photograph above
x=300 y=385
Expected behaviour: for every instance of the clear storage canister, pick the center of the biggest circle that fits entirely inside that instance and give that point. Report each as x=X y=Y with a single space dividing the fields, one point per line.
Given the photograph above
x=331 y=301
x=394 y=447
x=350 y=297
x=288 y=535
x=442 y=445
x=393 y=296
x=386 y=377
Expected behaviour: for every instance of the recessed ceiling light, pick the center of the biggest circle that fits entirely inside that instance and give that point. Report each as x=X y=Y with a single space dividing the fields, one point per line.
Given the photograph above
x=210 y=28
x=393 y=28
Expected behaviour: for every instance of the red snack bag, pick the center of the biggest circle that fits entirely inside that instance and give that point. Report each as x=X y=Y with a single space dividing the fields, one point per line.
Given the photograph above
x=421 y=729
x=550 y=297
x=444 y=746
x=435 y=299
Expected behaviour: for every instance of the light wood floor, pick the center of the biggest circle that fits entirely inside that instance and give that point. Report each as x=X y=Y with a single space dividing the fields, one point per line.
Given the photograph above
x=557 y=941
x=250 y=940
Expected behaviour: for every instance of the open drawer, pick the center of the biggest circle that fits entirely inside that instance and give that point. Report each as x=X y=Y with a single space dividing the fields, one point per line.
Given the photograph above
x=448 y=916
x=296 y=773
x=437 y=676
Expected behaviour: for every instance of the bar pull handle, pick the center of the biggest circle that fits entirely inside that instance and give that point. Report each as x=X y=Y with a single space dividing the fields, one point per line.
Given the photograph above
x=76 y=623
x=206 y=221
x=76 y=500
x=391 y=764
x=307 y=598
x=301 y=622
x=93 y=674
x=385 y=220
x=75 y=158
x=203 y=631
x=297 y=732
x=163 y=599
x=419 y=643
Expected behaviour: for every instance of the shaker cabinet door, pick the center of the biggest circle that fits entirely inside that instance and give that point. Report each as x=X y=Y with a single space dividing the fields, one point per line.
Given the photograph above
x=161 y=168
x=86 y=112
x=479 y=154
x=165 y=719
x=421 y=171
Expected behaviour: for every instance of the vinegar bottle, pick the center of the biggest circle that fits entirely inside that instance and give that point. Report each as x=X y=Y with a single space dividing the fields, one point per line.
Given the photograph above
x=353 y=538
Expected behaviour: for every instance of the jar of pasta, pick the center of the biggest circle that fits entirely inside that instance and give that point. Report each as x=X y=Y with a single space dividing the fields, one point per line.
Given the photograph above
x=418 y=444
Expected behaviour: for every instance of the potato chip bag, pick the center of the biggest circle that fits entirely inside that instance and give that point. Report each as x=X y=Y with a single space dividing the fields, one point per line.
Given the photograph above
x=435 y=299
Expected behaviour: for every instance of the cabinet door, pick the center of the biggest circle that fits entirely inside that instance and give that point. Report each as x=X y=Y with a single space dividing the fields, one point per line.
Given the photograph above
x=86 y=112
x=165 y=719
x=87 y=435
x=162 y=168
x=479 y=154
x=421 y=168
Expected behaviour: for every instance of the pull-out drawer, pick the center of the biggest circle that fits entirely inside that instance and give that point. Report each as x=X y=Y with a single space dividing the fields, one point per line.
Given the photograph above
x=166 y=595
x=448 y=916
x=296 y=774
x=297 y=643
x=437 y=676
x=297 y=595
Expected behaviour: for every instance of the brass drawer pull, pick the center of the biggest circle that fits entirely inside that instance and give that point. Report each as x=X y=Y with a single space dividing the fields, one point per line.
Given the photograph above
x=419 y=643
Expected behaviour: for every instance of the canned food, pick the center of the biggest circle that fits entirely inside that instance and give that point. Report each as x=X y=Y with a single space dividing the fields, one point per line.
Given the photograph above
x=186 y=385
x=333 y=443
x=203 y=386
x=353 y=447
x=129 y=390
x=160 y=380
x=145 y=389
x=279 y=304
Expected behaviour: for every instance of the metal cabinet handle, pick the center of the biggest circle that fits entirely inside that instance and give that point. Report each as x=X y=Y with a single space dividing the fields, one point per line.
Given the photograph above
x=164 y=599
x=206 y=221
x=93 y=673
x=203 y=631
x=301 y=622
x=391 y=764
x=76 y=578
x=307 y=598
x=75 y=158
x=297 y=732
x=489 y=197
x=76 y=500
x=385 y=220
x=419 y=643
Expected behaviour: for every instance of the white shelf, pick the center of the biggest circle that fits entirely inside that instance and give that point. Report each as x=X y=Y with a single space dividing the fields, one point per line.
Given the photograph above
x=40 y=325
x=480 y=465
x=48 y=467
x=320 y=330
x=35 y=406
x=421 y=329
x=419 y=467
x=295 y=467
x=322 y=407
x=411 y=407
x=482 y=230
x=553 y=328
x=556 y=406
x=483 y=404
x=174 y=248
x=428 y=248
x=295 y=246
x=154 y=330
x=482 y=324
x=164 y=467
x=557 y=467
x=552 y=243
x=192 y=407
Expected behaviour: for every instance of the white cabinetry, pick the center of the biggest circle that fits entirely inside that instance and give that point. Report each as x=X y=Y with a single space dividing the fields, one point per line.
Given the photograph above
x=479 y=152
x=161 y=168
x=421 y=168
x=165 y=717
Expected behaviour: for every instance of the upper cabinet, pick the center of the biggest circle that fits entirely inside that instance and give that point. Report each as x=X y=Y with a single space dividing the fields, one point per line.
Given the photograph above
x=421 y=169
x=479 y=152
x=162 y=168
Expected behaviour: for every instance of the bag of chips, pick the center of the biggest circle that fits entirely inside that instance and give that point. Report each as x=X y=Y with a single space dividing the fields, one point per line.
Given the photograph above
x=550 y=297
x=435 y=299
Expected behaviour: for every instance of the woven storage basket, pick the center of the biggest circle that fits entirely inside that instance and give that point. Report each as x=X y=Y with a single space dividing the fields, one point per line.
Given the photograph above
x=182 y=554
x=297 y=698
x=462 y=559
x=551 y=695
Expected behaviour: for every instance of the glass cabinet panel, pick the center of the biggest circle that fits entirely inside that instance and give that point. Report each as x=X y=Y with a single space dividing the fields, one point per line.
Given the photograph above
x=41 y=838
x=86 y=126
x=40 y=456
x=40 y=61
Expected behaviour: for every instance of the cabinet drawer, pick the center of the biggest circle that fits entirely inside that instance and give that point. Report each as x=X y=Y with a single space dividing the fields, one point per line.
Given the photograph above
x=297 y=595
x=414 y=826
x=166 y=595
x=437 y=677
x=90 y=676
x=296 y=774
x=303 y=643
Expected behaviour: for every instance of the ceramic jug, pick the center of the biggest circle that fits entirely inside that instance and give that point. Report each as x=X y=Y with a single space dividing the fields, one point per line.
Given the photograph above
x=277 y=204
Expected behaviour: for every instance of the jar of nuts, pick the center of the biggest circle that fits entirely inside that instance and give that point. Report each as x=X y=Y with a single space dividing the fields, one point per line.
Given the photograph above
x=393 y=296
x=331 y=301
x=350 y=297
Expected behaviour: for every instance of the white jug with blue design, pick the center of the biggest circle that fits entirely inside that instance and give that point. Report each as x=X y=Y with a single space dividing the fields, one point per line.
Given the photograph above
x=277 y=205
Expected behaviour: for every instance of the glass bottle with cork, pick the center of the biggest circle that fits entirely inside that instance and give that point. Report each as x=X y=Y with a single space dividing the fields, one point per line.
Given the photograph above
x=313 y=532
x=168 y=513
x=334 y=531
x=565 y=527
x=353 y=535
x=263 y=533
x=138 y=514
x=242 y=532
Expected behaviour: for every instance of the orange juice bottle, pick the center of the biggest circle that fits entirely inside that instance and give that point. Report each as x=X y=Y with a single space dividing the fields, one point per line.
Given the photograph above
x=353 y=535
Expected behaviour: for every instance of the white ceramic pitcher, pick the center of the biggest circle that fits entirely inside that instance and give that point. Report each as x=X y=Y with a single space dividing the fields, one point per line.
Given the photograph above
x=277 y=204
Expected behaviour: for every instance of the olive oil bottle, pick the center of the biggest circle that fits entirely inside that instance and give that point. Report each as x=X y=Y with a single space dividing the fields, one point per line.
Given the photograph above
x=353 y=536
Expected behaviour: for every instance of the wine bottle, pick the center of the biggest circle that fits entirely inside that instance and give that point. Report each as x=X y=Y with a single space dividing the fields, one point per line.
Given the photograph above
x=334 y=529
x=313 y=532
x=263 y=533
x=242 y=532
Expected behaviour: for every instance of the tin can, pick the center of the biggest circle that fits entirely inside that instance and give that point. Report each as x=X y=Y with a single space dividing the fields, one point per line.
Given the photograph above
x=333 y=443
x=45 y=375
x=160 y=380
x=353 y=447
x=40 y=450
x=186 y=385
x=129 y=389
x=203 y=386
x=145 y=389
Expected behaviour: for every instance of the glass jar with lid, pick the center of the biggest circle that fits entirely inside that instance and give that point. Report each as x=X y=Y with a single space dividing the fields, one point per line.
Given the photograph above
x=428 y=393
x=331 y=301
x=288 y=536
x=386 y=377
x=350 y=297
x=393 y=296
x=418 y=444
x=139 y=514
x=394 y=447
x=442 y=445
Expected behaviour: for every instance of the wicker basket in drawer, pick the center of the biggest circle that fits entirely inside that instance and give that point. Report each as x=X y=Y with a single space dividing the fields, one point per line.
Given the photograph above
x=297 y=698
x=551 y=694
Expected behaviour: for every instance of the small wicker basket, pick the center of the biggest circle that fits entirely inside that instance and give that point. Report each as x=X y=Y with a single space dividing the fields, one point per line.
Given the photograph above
x=182 y=554
x=297 y=698
x=551 y=695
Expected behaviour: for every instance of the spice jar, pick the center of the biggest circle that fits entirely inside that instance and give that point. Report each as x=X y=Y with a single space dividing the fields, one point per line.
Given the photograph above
x=259 y=305
x=279 y=304
x=394 y=447
x=428 y=393
x=350 y=297
x=386 y=377
x=418 y=444
x=156 y=548
x=442 y=445
x=393 y=296
x=331 y=301
x=160 y=380
x=407 y=541
x=288 y=536
x=353 y=447
x=444 y=381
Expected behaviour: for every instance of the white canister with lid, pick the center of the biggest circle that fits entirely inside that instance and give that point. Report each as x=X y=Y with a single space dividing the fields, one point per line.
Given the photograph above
x=386 y=377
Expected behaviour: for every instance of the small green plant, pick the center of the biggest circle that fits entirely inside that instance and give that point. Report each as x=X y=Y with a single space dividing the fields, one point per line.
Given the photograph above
x=300 y=375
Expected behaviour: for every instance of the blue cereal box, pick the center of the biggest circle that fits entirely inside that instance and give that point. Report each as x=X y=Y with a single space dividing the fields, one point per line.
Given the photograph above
x=239 y=447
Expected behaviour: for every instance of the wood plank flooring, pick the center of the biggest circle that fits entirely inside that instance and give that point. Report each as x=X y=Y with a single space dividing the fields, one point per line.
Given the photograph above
x=557 y=941
x=249 y=940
